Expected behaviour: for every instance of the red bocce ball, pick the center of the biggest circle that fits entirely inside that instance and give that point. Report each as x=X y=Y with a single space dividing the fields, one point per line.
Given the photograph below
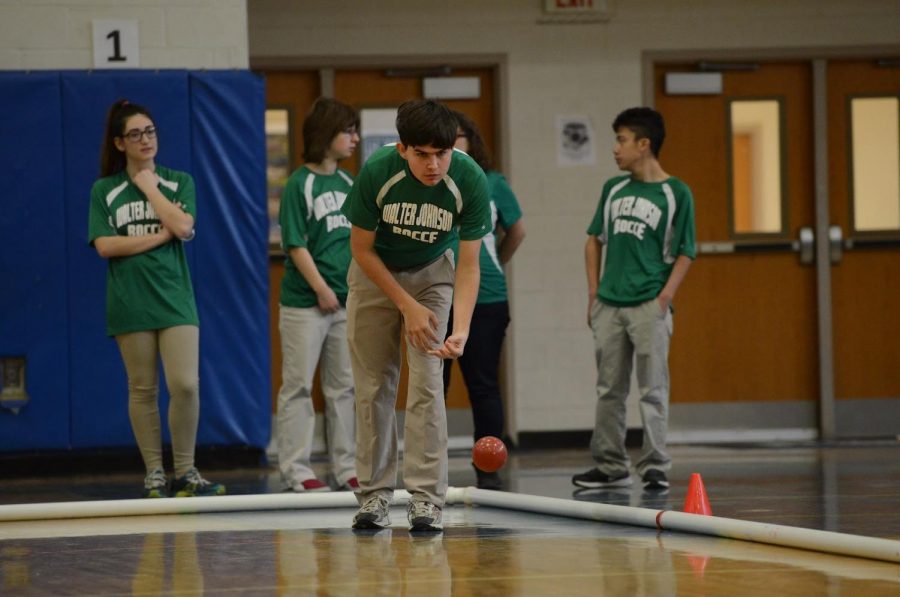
x=489 y=454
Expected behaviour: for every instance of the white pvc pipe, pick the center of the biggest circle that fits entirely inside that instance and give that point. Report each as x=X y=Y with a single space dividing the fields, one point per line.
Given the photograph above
x=194 y=505
x=824 y=541
x=773 y=534
x=559 y=507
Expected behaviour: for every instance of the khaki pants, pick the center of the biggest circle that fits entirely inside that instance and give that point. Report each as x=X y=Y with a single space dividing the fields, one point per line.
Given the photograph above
x=374 y=332
x=178 y=347
x=623 y=335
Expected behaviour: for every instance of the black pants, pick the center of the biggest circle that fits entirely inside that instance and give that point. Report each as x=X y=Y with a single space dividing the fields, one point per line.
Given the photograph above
x=480 y=364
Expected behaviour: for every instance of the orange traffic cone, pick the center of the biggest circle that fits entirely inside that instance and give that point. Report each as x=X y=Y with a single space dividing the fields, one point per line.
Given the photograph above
x=696 y=502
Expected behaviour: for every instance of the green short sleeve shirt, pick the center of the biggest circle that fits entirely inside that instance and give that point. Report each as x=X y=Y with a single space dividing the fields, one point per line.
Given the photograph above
x=310 y=217
x=505 y=212
x=150 y=290
x=414 y=223
x=645 y=226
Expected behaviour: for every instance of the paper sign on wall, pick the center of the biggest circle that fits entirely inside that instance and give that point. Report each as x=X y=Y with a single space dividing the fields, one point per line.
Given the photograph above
x=575 y=141
x=116 y=44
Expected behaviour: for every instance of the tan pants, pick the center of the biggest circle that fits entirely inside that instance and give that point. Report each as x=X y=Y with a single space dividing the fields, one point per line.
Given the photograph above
x=179 y=348
x=374 y=331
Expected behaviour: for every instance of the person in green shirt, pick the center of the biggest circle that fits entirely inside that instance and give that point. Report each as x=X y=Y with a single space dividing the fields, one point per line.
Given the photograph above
x=140 y=215
x=411 y=203
x=480 y=364
x=646 y=221
x=315 y=236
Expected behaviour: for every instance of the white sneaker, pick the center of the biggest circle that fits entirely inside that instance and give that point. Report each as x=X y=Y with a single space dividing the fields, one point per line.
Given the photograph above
x=156 y=485
x=423 y=516
x=375 y=513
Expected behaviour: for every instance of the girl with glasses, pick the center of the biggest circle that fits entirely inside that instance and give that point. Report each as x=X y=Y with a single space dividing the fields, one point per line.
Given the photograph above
x=141 y=213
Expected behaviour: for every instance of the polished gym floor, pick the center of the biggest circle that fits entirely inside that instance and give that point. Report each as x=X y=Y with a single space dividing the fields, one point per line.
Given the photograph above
x=849 y=488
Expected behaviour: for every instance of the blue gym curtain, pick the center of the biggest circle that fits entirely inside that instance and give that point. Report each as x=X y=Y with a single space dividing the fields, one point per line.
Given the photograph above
x=33 y=277
x=53 y=284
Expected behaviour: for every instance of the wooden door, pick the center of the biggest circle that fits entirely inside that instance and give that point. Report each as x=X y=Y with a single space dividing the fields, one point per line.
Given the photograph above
x=745 y=318
x=866 y=280
x=296 y=91
x=371 y=88
x=367 y=88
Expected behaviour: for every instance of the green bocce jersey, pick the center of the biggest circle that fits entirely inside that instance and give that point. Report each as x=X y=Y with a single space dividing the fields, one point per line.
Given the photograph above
x=505 y=212
x=151 y=290
x=645 y=226
x=415 y=224
x=310 y=217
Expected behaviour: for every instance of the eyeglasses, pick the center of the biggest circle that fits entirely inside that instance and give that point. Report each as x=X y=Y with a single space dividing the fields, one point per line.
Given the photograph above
x=135 y=135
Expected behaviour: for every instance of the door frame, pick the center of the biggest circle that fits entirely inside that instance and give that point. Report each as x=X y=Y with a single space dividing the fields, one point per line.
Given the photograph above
x=499 y=63
x=818 y=57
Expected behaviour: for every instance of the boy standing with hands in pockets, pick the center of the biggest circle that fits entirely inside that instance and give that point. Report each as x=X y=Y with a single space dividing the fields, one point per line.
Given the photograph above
x=646 y=220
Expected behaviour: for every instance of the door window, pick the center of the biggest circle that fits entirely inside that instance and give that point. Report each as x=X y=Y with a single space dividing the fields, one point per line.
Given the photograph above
x=875 y=156
x=278 y=167
x=377 y=129
x=756 y=176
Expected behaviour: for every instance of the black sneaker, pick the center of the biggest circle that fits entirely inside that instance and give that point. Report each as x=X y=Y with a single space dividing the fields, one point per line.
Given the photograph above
x=594 y=479
x=487 y=480
x=191 y=484
x=655 y=480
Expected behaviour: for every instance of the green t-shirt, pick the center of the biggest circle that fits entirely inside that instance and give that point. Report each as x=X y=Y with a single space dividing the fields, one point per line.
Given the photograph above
x=505 y=212
x=646 y=226
x=415 y=224
x=151 y=290
x=310 y=217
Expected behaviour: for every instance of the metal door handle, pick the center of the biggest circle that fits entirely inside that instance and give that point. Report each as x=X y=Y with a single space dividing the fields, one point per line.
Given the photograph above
x=835 y=244
x=807 y=245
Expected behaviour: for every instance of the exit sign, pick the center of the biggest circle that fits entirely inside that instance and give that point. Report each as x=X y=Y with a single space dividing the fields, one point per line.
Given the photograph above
x=576 y=10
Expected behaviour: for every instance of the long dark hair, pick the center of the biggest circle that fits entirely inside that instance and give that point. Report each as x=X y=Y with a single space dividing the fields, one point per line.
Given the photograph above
x=112 y=161
x=325 y=120
x=477 y=149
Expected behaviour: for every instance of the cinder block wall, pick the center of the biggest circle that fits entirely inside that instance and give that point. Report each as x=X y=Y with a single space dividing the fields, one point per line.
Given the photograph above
x=56 y=34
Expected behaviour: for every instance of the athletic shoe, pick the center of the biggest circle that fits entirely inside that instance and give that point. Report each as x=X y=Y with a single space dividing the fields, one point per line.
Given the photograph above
x=594 y=479
x=352 y=484
x=156 y=485
x=423 y=516
x=310 y=485
x=487 y=480
x=374 y=514
x=191 y=484
x=655 y=479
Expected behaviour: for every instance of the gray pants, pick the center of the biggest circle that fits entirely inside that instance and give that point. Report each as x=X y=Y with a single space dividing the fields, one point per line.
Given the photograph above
x=374 y=331
x=308 y=336
x=623 y=335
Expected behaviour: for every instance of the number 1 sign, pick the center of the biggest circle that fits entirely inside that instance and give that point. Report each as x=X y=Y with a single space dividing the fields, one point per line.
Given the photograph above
x=116 y=44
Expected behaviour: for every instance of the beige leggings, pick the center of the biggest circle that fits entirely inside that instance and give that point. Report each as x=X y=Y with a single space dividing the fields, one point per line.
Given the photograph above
x=179 y=348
